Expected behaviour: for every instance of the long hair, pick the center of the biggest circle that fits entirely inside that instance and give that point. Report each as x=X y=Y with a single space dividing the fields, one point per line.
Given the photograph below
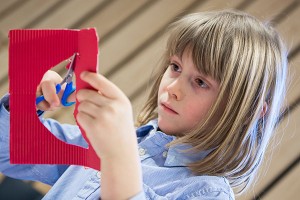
x=248 y=59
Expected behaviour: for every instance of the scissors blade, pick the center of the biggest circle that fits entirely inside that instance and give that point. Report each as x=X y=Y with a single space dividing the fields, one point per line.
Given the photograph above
x=68 y=77
x=72 y=65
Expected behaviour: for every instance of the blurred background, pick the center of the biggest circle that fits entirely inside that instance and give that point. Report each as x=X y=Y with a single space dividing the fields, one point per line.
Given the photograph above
x=131 y=34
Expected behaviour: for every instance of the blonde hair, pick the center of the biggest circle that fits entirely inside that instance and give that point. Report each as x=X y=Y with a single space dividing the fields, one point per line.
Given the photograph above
x=249 y=60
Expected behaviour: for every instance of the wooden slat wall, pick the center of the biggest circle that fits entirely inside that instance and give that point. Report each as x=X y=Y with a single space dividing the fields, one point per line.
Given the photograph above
x=132 y=39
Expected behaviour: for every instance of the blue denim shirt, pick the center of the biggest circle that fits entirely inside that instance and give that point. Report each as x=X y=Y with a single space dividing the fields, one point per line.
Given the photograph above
x=165 y=175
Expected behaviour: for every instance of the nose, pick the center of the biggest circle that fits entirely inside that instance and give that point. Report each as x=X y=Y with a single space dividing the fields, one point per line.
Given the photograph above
x=175 y=90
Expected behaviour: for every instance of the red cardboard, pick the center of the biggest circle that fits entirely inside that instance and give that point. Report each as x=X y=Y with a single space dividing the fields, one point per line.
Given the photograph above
x=31 y=54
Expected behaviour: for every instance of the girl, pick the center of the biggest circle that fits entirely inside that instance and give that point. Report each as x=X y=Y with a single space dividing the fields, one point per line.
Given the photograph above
x=203 y=131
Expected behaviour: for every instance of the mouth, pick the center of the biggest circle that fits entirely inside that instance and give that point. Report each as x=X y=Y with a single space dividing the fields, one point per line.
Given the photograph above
x=168 y=108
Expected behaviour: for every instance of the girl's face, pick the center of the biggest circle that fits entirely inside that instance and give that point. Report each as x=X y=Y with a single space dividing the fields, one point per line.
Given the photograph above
x=185 y=96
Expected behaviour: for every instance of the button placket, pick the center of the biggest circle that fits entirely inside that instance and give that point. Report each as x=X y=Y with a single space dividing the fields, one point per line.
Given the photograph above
x=90 y=186
x=98 y=174
x=142 y=151
x=165 y=154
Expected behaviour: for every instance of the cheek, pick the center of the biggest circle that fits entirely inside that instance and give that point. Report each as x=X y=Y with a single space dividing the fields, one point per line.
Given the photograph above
x=162 y=86
x=160 y=89
x=196 y=112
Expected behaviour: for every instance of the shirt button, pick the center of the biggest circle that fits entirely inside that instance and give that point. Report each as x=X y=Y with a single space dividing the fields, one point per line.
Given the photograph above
x=99 y=174
x=165 y=153
x=142 y=151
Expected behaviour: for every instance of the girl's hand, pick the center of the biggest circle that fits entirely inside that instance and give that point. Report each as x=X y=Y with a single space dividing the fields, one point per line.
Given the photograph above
x=105 y=114
x=47 y=88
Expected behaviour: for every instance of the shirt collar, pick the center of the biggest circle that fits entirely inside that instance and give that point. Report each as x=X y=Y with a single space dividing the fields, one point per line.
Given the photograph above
x=177 y=155
x=145 y=129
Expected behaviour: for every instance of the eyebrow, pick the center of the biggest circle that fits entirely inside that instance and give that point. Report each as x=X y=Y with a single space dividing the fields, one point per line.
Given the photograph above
x=176 y=56
x=210 y=80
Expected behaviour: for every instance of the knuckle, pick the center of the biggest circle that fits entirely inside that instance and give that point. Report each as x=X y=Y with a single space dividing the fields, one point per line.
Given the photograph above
x=47 y=82
x=80 y=108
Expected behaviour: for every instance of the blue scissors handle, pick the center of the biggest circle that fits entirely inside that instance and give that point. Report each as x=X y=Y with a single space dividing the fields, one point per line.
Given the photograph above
x=68 y=91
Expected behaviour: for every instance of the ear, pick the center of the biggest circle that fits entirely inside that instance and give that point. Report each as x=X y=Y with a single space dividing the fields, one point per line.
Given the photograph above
x=264 y=110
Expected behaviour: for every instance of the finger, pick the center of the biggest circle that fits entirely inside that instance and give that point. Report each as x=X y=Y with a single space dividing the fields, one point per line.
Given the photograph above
x=72 y=97
x=85 y=121
x=49 y=80
x=44 y=106
x=49 y=92
x=92 y=96
x=89 y=108
x=101 y=84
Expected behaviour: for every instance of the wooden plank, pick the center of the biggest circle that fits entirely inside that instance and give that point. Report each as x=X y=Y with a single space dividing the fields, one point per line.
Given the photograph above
x=28 y=12
x=294 y=80
x=113 y=16
x=138 y=71
x=288 y=188
x=69 y=14
x=7 y=5
x=289 y=28
x=218 y=5
x=265 y=10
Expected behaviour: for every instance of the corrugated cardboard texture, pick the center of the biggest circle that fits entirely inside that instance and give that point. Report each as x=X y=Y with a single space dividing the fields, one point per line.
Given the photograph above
x=31 y=54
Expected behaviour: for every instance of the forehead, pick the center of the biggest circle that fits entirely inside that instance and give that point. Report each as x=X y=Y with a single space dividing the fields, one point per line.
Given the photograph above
x=187 y=57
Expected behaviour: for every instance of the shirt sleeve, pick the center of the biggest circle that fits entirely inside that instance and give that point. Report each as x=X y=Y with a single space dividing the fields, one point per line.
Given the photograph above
x=70 y=134
x=48 y=174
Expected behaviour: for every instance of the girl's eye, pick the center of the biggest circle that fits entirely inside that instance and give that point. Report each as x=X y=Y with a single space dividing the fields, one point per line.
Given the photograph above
x=201 y=83
x=175 y=67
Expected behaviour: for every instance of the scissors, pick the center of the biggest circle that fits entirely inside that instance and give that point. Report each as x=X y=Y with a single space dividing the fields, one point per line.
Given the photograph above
x=70 y=88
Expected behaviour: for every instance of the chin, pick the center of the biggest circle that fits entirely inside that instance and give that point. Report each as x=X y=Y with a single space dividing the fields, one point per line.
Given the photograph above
x=166 y=128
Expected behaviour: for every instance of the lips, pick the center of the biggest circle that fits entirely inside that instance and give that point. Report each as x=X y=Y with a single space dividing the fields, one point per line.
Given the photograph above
x=168 y=108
